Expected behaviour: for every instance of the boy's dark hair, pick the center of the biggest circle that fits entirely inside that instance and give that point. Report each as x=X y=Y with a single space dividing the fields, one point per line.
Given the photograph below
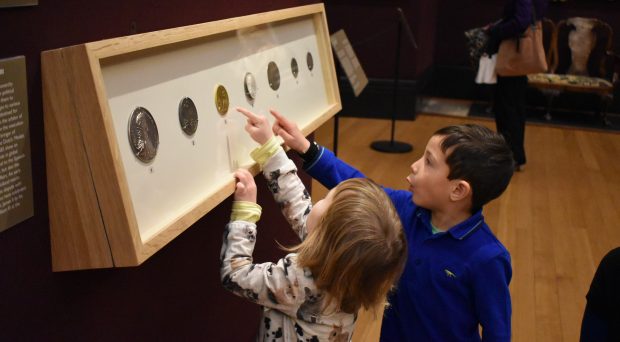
x=480 y=157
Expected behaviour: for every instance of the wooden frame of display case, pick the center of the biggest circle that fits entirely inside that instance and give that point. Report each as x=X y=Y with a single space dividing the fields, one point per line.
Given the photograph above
x=94 y=206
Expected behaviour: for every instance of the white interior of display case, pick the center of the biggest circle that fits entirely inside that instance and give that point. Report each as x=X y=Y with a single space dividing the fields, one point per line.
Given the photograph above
x=189 y=169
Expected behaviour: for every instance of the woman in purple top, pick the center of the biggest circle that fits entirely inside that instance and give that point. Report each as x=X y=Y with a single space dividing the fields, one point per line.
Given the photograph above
x=509 y=104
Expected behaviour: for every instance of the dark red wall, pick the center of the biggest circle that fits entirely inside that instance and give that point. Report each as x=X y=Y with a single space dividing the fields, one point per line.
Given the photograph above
x=454 y=17
x=176 y=294
x=371 y=28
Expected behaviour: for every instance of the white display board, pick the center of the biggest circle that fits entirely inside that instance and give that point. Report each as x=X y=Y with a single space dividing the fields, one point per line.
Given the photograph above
x=188 y=169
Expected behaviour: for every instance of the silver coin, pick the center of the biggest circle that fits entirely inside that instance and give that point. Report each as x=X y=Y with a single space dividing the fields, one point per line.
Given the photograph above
x=309 y=61
x=188 y=116
x=294 y=67
x=143 y=135
x=249 y=84
x=273 y=75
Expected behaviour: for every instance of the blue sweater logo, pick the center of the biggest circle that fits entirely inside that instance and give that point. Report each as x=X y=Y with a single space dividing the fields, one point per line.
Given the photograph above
x=449 y=274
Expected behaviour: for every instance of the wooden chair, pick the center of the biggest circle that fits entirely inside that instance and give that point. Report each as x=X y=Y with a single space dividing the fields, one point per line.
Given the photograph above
x=615 y=62
x=578 y=61
x=549 y=37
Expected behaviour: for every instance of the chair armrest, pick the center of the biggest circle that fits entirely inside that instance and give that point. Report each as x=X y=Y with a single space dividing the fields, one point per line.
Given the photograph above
x=615 y=65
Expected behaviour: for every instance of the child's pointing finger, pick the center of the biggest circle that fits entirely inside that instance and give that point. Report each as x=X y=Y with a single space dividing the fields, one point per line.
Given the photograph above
x=251 y=116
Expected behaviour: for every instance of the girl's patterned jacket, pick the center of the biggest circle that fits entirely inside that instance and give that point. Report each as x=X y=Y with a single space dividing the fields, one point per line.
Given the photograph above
x=292 y=305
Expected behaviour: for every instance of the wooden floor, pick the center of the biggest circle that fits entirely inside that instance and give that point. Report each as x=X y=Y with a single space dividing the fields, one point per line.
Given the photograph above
x=557 y=218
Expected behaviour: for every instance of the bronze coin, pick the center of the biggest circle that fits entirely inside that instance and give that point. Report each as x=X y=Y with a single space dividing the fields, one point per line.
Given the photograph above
x=273 y=75
x=294 y=67
x=188 y=116
x=309 y=61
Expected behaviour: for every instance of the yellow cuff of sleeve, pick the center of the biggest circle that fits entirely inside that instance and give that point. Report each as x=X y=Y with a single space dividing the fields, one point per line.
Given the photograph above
x=262 y=154
x=245 y=211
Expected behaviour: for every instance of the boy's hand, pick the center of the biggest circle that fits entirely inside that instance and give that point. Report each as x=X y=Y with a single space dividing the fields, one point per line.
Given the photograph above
x=245 y=189
x=290 y=133
x=257 y=126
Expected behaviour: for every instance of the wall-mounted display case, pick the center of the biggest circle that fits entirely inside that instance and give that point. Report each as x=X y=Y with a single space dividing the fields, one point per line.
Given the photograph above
x=142 y=135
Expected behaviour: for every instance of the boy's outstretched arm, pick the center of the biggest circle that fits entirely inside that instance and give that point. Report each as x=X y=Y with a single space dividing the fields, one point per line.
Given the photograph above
x=290 y=133
x=321 y=163
x=324 y=166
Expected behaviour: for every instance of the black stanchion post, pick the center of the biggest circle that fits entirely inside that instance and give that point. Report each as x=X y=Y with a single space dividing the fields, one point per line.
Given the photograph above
x=393 y=146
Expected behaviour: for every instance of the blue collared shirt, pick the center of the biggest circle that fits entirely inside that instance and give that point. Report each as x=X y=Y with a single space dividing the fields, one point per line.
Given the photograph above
x=453 y=281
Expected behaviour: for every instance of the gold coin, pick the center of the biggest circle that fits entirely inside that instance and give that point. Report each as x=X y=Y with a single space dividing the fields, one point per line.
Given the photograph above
x=221 y=100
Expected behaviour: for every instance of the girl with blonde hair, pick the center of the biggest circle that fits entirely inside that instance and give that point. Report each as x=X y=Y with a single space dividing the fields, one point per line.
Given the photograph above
x=353 y=249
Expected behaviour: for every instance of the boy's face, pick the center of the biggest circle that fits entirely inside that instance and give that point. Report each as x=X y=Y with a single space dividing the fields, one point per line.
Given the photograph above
x=318 y=210
x=429 y=177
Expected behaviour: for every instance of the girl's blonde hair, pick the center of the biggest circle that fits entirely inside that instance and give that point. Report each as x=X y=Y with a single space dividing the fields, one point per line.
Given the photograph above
x=358 y=249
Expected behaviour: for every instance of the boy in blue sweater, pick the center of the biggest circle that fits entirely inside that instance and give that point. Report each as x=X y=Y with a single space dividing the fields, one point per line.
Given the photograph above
x=457 y=273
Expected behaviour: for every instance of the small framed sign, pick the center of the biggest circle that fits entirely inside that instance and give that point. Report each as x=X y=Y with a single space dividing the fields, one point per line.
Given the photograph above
x=349 y=62
x=15 y=169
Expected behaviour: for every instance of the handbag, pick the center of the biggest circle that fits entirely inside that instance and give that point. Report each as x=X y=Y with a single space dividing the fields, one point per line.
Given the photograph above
x=486 y=70
x=476 y=40
x=523 y=55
